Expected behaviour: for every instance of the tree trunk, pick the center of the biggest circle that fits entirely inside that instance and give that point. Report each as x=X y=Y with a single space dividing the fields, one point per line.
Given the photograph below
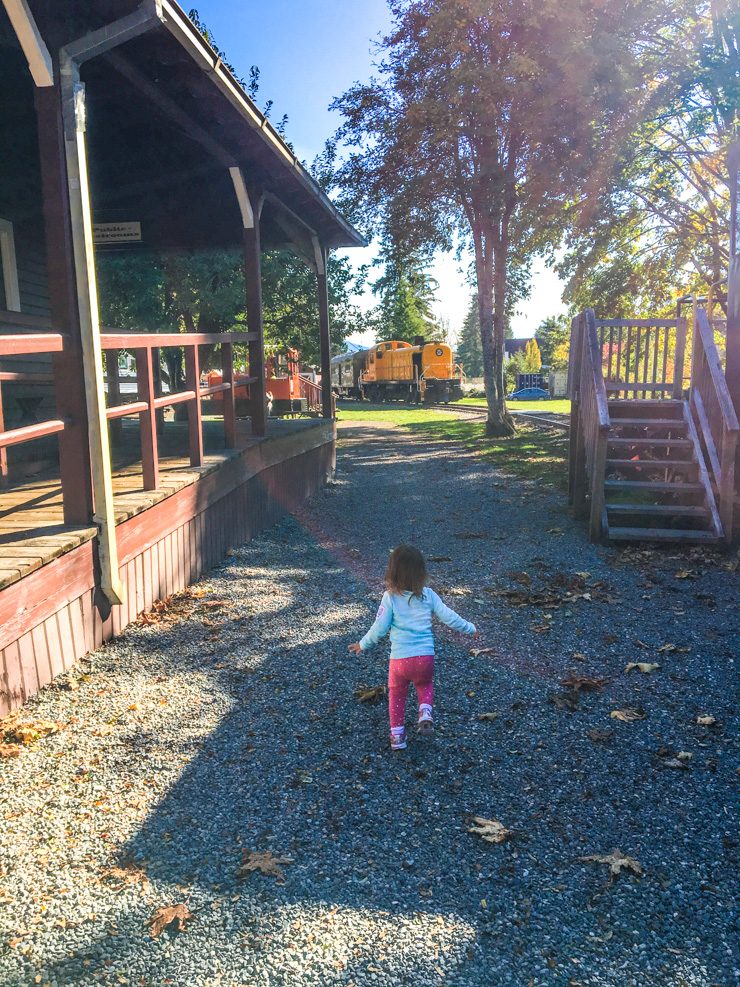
x=503 y=423
x=492 y=288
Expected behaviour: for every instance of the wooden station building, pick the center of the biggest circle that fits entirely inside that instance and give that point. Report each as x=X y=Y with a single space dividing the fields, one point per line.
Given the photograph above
x=118 y=114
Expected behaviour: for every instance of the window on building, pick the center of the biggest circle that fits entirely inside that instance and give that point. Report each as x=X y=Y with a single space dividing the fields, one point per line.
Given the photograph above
x=10 y=298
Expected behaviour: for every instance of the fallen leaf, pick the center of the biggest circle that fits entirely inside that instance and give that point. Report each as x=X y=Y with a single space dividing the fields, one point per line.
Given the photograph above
x=521 y=577
x=585 y=682
x=10 y=750
x=627 y=715
x=579 y=656
x=369 y=693
x=176 y=915
x=617 y=862
x=646 y=667
x=129 y=874
x=599 y=736
x=541 y=628
x=488 y=717
x=706 y=721
x=482 y=651
x=263 y=861
x=30 y=731
x=687 y=574
x=673 y=648
x=565 y=700
x=684 y=756
x=674 y=762
x=490 y=830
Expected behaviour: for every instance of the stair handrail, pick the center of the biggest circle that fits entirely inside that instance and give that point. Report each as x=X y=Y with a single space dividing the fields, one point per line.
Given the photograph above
x=596 y=403
x=712 y=407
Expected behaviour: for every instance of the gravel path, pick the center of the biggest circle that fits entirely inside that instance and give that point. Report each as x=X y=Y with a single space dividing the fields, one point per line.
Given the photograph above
x=228 y=726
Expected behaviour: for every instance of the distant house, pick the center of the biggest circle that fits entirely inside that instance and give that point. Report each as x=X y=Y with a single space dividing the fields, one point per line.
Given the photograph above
x=512 y=346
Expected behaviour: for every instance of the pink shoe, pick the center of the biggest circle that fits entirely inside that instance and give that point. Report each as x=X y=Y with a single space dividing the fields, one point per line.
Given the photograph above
x=426 y=723
x=398 y=739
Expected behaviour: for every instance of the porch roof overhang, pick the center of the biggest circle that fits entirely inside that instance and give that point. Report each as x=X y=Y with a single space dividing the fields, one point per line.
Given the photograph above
x=166 y=121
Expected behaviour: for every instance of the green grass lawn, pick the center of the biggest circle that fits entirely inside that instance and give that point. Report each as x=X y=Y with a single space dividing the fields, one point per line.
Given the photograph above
x=532 y=453
x=558 y=406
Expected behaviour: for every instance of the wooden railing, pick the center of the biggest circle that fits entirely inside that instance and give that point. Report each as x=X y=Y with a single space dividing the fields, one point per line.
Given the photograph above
x=311 y=391
x=589 y=422
x=642 y=358
x=715 y=418
x=15 y=345
x=142 y=345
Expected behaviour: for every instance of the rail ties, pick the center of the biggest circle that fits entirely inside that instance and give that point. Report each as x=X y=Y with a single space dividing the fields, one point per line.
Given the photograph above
x=479 y=411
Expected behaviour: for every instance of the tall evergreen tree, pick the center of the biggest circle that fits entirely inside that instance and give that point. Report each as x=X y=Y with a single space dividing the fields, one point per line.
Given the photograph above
x=469 y=349
x=406 y=293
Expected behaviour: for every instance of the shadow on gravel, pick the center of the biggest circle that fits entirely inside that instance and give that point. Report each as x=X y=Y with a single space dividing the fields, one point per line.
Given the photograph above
x=378 y=841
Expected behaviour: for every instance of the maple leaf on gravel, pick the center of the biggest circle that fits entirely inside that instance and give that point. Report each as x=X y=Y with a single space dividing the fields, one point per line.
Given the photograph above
x=628 y=715
x=646 y=667
x=263 y=861
x=585 y=682
x=10 y=750
x=490 y=830
x=369 y=693
x=617 y=862
x=175 y=915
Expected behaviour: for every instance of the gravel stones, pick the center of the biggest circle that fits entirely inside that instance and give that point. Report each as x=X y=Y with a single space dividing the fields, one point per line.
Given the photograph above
x=191 y=743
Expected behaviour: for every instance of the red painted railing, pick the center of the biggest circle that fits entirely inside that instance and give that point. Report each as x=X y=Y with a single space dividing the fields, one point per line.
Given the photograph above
x=26 y=345
x=142 y=345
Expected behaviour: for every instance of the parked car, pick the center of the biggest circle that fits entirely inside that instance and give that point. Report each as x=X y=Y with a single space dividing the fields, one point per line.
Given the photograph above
x=529 y=394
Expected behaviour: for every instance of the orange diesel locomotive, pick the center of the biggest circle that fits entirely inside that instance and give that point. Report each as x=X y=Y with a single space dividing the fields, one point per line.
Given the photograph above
x=398 y=371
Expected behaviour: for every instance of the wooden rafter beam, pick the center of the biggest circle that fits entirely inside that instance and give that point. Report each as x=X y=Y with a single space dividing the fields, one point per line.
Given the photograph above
x=31 y=42
x=169 y=107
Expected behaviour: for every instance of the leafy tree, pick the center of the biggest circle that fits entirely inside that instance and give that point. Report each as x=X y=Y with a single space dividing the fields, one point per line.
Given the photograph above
x=553 y=339
x=489 y=116
x=406 y=294
x=532 y=357
x=662 y=227
x=469 y=350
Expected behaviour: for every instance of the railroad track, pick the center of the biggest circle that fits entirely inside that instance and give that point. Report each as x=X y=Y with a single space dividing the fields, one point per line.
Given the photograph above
x=479 y=411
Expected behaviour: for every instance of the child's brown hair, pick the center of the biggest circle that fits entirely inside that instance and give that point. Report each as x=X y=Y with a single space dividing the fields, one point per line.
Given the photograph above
x=407 y=571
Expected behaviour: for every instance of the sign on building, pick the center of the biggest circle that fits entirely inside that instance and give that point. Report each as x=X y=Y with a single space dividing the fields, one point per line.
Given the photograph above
x=107 y=233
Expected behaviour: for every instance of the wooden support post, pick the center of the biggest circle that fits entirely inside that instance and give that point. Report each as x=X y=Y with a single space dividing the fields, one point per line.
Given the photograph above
x=114 y=392
x=195 y=417
x=732 y=365
x=680 y=357
x=69 y=377
x=321 y=257
x=147 y=419
x=250 y=206
x=73 y=102
x=3 y=450
x=229 y=397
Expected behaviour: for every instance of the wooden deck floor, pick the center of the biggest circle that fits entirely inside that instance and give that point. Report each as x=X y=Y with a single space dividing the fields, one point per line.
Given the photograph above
x=32 y=530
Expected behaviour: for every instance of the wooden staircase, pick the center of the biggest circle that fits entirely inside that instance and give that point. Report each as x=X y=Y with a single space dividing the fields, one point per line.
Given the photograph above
x=656 y=486
x=645 y=462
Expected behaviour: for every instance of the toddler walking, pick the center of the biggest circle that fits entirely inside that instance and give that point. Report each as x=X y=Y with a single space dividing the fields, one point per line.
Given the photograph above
x=406 y=611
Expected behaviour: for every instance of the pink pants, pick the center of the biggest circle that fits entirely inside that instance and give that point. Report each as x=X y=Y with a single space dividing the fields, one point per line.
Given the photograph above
x=401 y=673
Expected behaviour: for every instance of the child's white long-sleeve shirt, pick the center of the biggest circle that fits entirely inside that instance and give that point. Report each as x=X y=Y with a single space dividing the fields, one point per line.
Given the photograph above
x=409 y=620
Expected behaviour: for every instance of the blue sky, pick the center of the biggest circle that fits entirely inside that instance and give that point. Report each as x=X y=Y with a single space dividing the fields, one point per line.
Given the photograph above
x=310 y=51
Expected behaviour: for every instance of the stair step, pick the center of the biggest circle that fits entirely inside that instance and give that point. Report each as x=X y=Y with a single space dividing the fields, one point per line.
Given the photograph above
x=660 y=534
x=648 y=486
x=647 y=404
x=652 y=464
x=658 y=510
x=649 y=422
x=677 y=443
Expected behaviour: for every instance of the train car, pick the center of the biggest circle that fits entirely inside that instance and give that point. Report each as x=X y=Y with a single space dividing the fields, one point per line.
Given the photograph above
x=398 y=371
